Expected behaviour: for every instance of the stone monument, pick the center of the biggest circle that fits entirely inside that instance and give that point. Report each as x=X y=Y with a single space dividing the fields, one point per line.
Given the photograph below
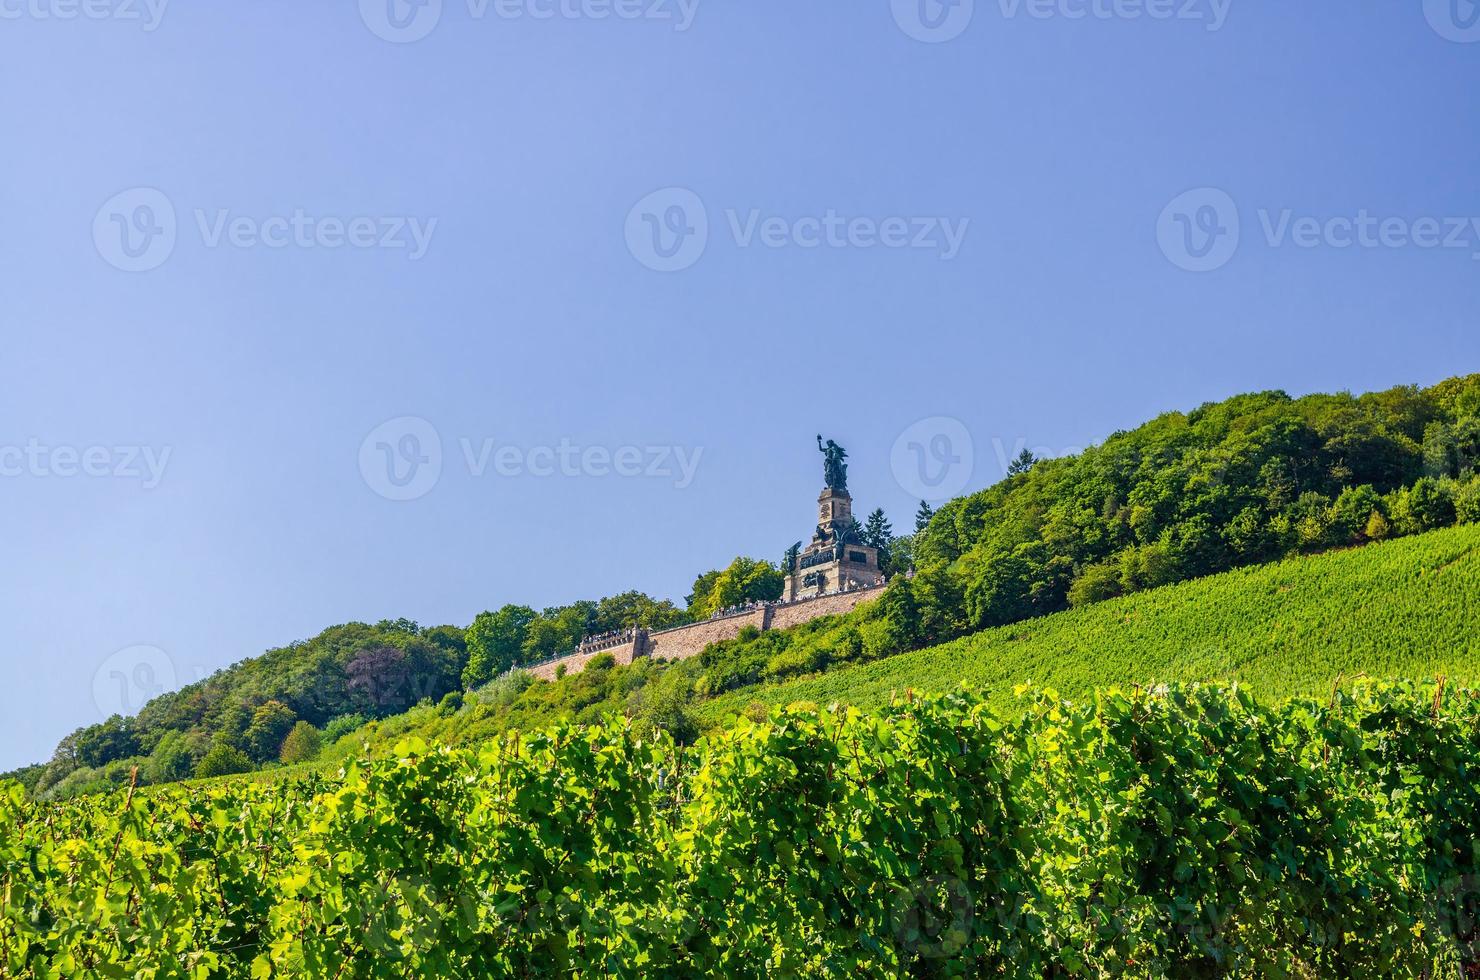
x=836 y=559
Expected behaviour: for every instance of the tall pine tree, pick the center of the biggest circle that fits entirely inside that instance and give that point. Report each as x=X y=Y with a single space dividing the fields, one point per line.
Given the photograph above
x=1022 y=464
x=923 y=516
x=878 y=533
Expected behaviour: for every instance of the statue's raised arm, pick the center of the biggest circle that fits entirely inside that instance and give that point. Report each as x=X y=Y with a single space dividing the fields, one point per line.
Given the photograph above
x=834 y=469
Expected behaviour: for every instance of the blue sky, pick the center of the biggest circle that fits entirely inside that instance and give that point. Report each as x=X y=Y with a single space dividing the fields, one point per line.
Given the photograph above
x=254 y=253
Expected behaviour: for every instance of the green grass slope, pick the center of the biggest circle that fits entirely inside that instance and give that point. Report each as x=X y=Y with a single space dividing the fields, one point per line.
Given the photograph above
x=1406 y=608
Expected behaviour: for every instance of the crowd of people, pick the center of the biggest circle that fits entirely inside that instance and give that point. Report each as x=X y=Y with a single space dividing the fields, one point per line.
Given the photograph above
x=611 y=638
x=744 y=607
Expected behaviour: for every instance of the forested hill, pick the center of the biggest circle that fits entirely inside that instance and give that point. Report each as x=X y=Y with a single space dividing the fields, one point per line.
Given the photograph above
x=1251 y=479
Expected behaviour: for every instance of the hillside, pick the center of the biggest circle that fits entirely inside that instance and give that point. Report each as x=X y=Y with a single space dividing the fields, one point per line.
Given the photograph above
x=1252 y=479
x=1406 y=608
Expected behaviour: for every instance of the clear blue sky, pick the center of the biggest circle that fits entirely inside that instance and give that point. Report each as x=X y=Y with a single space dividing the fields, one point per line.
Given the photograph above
x=1065 y=312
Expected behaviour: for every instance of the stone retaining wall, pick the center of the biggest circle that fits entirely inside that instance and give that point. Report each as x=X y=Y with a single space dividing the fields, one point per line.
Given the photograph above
x=688 y=641
x=683 y=642
x=796 y=613
x=574 y=663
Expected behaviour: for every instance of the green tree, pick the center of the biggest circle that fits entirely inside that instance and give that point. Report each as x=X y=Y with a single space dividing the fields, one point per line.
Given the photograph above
x=923 y=516
x=1095 y=583
x=1350 y=513
x=223 y=760
x=878 y=533
x=301 y=745
x=271 y=723
x=900 y=614
x=495 y=643
x=546 y=638
x=999 y=593
x=1422 y=507
x=101 y=744
x=634 y=609
x=1467 y=501
x=1377 y=527
x=744 y=580
x=663 y=705
x=1022 y=463
x=171 y=759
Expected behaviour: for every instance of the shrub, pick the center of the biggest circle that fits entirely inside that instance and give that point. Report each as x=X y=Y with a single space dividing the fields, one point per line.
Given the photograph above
x=505 y=689
x=171 y=759
x=223 y=760
x=1095 y=583
x=301 y=745
x=1467 y=502
x=340 y=727
x=450 y=704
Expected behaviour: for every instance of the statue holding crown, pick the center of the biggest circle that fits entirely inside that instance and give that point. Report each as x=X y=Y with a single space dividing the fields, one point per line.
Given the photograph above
x=834 y=470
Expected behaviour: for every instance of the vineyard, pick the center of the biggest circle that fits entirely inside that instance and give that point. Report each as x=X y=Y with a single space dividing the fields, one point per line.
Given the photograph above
x=1406 y=608
x=1186 y=832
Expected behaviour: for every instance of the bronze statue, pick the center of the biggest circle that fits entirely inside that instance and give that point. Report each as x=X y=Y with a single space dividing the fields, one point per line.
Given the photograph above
x=844 y=535
x=834 y=470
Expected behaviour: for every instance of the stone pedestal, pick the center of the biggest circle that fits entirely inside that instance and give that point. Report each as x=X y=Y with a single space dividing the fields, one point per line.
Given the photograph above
x=823 y=566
